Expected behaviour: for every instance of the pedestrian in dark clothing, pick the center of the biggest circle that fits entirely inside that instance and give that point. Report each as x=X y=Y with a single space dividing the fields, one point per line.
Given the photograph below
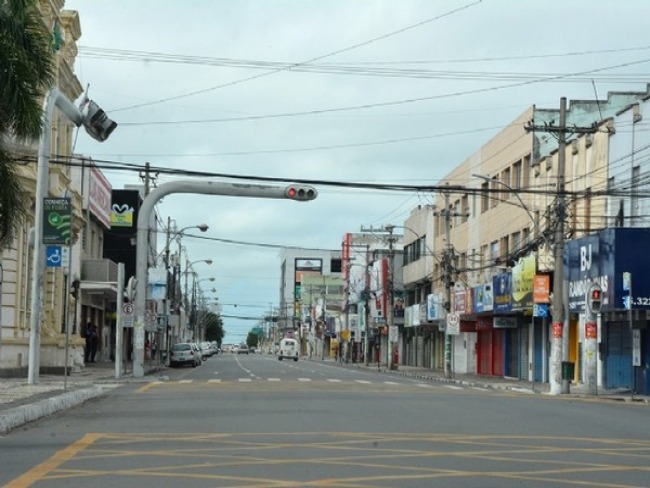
x=94 y=343
x=88 y=332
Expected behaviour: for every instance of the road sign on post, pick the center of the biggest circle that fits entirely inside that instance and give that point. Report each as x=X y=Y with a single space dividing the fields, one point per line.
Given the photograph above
x=57 y=224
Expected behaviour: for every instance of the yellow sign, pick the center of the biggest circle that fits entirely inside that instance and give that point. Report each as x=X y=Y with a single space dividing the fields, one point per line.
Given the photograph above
x=345 y=335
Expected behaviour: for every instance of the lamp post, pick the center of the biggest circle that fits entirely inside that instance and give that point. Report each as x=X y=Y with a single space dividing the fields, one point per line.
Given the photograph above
x=189 y=301
x=99 y=127
x=169 y=295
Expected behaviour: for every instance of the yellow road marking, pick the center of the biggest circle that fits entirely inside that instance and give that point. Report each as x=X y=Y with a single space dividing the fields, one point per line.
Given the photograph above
x=38 y=472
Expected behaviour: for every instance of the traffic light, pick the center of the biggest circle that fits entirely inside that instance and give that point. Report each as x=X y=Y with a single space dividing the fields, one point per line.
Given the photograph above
x=594 y=298
x=300 y=193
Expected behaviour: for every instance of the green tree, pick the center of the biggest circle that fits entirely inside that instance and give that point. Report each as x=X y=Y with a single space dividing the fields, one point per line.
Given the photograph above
x=214 y=328
x=26 y=73
x=252 y=340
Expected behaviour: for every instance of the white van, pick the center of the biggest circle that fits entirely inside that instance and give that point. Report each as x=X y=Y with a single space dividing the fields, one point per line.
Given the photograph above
x=288 y=349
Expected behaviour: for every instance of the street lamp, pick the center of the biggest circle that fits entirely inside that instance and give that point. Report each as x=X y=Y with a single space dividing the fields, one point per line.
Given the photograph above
x=177 y=234
x=523 y=205
x=99 y=127
x=171 y=295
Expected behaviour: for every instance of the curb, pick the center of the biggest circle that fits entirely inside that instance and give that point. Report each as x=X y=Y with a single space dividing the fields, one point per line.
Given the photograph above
x=28 y=413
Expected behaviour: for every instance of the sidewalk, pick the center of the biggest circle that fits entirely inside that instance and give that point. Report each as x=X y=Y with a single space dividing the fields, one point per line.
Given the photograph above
x=499 y=383
x=21 y=403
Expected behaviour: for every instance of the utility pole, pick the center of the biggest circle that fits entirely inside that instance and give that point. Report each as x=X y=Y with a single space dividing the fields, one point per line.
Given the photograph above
x=447 y=269
x=389 y=304
x=366 y=314
x=560 y=328
x=560 y=341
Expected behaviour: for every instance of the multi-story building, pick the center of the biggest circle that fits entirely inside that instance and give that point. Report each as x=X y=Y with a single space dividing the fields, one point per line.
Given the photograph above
x=494 y=232
x=294 y=318
x=16 y=261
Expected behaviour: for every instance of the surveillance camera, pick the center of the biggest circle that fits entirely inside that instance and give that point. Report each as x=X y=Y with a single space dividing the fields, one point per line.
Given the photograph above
x=96 y=122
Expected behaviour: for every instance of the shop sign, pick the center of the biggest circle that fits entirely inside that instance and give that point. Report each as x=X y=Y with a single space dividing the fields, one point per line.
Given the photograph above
x=523 y=275
x=502 y=286
x=542 y=288
x=505 y=322
x=483 y=298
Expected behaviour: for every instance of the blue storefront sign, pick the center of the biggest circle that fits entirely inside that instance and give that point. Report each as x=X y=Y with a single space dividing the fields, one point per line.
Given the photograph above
x=502 y=289
x=603 y=258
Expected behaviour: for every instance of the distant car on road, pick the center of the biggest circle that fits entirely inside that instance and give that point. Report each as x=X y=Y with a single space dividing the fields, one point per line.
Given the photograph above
x=184 y=353
x=288 y=349
x=242 y=349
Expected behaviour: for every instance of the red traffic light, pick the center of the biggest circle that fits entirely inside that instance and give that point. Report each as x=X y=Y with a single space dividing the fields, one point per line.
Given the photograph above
x=301 y=193
x=596 y=293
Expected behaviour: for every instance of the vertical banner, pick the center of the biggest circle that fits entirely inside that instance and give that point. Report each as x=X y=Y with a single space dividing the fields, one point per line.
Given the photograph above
x=57 y=224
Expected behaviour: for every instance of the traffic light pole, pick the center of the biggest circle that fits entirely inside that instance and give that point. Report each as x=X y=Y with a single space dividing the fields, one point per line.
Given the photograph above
x=592 y=308
x=292 y=192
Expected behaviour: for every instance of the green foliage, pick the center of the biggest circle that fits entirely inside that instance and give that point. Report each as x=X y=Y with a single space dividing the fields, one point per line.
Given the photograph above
x=252 y=340
x=26 y=73
x=214 y=328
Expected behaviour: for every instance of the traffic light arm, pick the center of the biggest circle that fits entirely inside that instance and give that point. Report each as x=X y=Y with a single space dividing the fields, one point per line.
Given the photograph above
x=293 y=192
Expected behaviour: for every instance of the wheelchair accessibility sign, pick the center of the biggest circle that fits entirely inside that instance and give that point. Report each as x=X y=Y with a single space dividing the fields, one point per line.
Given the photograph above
x=56 y=256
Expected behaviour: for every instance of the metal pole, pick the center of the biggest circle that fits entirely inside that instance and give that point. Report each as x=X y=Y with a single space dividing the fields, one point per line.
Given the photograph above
x=120 y=320
x=66 y=314
x=631 y=320
x=53 y=98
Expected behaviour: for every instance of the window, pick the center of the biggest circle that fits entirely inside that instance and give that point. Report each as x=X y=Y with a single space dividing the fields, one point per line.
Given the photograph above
x=504 y=249
x=335 y=266
x=515 y=241
x=485 y=195
x=505 y=177
x=526 y=170
x=517 y=177
x=494 y=252
x=496 y=197
x=464 y=208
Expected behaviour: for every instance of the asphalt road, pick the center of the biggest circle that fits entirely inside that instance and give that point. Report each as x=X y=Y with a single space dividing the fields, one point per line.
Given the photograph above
x=254 y=421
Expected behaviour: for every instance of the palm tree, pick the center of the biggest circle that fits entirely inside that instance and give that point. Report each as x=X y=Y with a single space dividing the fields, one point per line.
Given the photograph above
x=26 y=73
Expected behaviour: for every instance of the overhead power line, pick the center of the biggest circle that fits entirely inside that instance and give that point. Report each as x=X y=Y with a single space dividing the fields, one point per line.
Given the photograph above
x=312 y=60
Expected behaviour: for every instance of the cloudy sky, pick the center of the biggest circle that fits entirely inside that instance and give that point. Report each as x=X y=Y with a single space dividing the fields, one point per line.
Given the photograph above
x=379 y=91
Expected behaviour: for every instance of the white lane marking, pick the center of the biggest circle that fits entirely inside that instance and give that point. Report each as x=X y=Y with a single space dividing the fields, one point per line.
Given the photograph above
x=245 y=380
x=363 y=382
x=334 y=380
x=304 y=379
x=479 y=389
x=186 y=381
x=274 y=379
x=390 y=383
x=218 y=380
x=423 y=385
x=453 y=387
